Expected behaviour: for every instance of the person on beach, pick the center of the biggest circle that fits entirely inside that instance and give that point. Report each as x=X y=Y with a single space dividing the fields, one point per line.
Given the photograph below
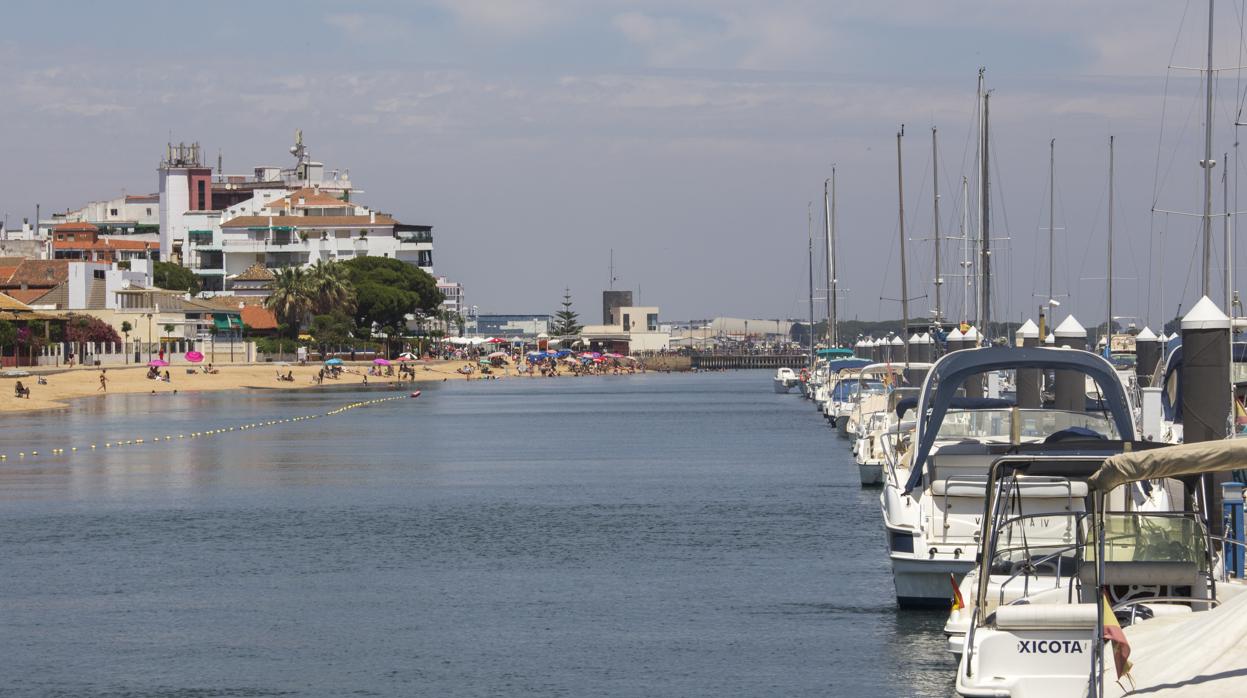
x=20 y=390
x=103 y=381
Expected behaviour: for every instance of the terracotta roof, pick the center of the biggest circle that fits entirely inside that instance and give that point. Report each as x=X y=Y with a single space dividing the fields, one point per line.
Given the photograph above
x=259 y=318
x=8 y=302
x=146 y=198
x=309 y=222
x=74 y=228
x=308 y=198
x=256 y=272
x=29 y=295
x=43 y=273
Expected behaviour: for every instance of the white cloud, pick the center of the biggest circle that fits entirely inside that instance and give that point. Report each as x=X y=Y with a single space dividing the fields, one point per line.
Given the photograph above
x=505 y=17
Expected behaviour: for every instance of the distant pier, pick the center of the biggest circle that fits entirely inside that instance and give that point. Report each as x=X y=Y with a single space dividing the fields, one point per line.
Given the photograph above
x=715 y=361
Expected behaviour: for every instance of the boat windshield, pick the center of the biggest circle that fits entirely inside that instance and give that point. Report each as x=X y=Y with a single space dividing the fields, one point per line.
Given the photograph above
x=1152 y=537
x=847 y=390
x=1041 y=544
x=1034 y=424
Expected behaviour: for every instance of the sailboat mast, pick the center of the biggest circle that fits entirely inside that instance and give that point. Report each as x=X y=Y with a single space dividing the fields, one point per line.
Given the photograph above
x=900 y=195
x=1108 y=332
x=809 y=214
x=965 y=248
x=1225 y=201
x=1051 y=222
x=978 y=184
x=985 y=309
x=935 y=167
x=1208 y=163
x=831 y=332
x=835 y=298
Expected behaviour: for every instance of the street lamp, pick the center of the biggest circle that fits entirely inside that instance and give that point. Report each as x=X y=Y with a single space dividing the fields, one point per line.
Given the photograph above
x=149 y=338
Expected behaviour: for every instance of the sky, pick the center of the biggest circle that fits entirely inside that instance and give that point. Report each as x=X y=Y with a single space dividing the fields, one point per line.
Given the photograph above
x=688 y=136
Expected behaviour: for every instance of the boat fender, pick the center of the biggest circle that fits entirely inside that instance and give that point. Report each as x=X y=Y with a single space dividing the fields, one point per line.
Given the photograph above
x=416 y=394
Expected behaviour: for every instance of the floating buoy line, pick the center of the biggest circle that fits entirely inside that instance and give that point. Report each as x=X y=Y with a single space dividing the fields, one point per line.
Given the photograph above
x=121 y=443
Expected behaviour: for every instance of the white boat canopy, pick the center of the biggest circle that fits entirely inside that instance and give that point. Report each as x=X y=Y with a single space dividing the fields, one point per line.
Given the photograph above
x=1171 y=461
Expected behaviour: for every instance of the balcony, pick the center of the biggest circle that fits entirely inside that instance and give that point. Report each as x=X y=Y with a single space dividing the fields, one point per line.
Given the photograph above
x=415 y=237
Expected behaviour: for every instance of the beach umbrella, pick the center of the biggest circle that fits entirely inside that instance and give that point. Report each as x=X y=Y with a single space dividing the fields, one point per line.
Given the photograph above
x=499 y=355
x=496 y=340
x=194 y=357
x=381 y=362
x=157 y=362
x=334 y=362
x=613 y=355
x=407 y=355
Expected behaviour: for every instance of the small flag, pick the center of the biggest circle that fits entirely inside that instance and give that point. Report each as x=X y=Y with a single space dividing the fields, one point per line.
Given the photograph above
x=1113 y=633
x=958 y=602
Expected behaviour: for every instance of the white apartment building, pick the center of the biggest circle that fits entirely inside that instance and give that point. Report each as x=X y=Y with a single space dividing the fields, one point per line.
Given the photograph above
x=221 y=226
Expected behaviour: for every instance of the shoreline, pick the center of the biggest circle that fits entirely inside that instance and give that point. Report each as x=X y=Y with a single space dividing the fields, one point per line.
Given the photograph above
x=64 y=385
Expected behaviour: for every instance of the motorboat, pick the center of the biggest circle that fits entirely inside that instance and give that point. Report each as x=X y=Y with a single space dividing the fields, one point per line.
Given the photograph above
x=881 y=437
x=1057 y=583
x=933 y=496
x=785 y=380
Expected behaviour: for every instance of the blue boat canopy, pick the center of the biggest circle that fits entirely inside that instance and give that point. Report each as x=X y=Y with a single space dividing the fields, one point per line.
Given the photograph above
x=835 y=352
x=840 y=364
x=951 y=371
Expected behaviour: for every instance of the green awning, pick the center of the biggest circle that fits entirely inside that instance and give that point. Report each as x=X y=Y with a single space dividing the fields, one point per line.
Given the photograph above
x=224 y=321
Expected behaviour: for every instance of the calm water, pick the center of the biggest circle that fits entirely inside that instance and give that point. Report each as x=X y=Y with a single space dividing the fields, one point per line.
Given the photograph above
x=678 y=535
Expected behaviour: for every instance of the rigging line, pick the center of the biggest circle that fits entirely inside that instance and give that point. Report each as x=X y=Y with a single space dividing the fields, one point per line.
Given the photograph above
x=1164 y=104
x=1095 y=226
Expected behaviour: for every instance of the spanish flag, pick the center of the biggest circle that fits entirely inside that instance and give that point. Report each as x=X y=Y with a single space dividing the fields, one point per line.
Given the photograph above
x=1113 y=633
x=958 y=602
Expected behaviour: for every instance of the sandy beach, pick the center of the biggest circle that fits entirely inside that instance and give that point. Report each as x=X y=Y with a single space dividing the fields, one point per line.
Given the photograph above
x=84 y=382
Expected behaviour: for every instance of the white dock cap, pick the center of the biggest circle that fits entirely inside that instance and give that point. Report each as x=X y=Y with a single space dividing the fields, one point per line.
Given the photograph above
x=898 y=342
x=1070 y=327
x=925 y=338
x=1147 y=335
x=915 y=338
x=1050 y=339
x=1028 y=330
x=860 y=343
x=955 y=335
x=1205 y=316
x=972 y=334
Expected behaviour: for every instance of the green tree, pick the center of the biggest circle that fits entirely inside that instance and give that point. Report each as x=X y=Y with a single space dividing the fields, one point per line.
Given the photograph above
x=565 y=324
x=388 y=290
x=332 y=329
x=8 y=335
x=175 y=277
x=291 y=299
x=330 y=288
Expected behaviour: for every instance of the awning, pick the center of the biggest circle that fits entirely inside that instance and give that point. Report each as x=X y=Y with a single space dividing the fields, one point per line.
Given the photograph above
x=225 y=321
x=1171 y=461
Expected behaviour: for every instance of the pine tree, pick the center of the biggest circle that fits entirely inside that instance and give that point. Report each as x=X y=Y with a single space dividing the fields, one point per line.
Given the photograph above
x=565 y=320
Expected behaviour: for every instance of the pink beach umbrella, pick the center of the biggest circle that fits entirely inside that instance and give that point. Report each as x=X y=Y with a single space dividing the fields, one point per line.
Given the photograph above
x=381 y=362
x=194 y=357
x=157 y=362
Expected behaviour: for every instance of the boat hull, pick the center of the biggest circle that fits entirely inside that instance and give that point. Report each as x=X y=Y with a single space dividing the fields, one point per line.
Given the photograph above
x=871 y=474
x=923 y=583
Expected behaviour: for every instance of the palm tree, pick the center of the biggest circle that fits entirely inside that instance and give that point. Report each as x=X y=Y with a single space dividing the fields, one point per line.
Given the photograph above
x=126 y=329
x=329 y=288
x=291 y=299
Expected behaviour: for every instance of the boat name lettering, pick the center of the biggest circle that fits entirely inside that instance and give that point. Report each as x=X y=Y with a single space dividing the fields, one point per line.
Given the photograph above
x=1049 y=647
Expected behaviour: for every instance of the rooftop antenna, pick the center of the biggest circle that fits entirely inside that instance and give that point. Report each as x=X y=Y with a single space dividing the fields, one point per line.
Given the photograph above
x=612 y=270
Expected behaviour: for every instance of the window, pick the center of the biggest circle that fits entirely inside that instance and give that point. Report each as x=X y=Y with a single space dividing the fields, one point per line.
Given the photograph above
x=203 y=198
x=98 y=273
x=651 y=322
x=149 y=210
x=112 y=211
x=627 y=323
